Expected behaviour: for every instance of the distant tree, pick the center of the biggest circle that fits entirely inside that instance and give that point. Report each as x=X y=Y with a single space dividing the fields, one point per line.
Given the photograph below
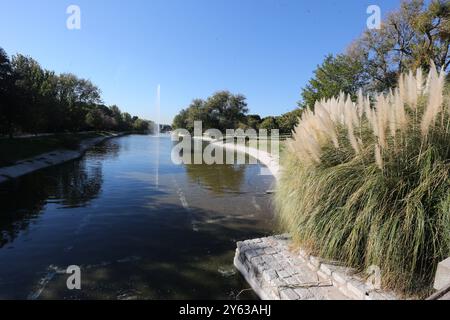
x=269 y=123
x=335 y=74
x=165 y=128
x=116 y=114
x=141 y=125
x=197 y=112
x=223 y=110
x=127 y=122
x=287 y=122
x=53 y=111
x=30 y=79
x=253 y=121
x=179 y=122
x=412 y=37
x=409 y=38
x=33 y=100
x=77 y=96
x=8 y=114
x=95 y=119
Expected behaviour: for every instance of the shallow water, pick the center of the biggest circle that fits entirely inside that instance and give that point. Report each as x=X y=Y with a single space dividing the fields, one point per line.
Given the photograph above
x=139 y=226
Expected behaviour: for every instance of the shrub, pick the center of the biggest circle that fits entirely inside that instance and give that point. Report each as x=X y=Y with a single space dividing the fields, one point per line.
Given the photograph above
x=367 y=183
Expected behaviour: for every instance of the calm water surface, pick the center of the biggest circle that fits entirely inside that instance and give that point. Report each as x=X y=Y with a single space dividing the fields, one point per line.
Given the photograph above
x=138 y=226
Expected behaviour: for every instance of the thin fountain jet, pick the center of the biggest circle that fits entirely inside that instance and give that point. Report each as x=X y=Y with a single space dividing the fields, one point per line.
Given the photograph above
x=157 y=130
x=158 y=110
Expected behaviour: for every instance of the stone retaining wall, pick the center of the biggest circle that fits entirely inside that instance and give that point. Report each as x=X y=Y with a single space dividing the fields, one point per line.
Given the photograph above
x=277 y=273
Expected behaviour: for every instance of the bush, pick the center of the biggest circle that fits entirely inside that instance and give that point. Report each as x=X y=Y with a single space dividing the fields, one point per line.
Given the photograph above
x=368 y=183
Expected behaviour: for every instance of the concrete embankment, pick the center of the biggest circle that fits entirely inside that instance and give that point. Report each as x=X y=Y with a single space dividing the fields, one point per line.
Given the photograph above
x=276 y=272
x=270 y=161
x=45 y=160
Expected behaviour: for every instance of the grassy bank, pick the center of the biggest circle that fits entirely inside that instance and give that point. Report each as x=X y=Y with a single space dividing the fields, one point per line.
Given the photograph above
x=16 y=149
x=369 y=183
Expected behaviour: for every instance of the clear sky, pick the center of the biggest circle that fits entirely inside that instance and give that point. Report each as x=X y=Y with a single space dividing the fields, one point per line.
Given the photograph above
x=264 y=49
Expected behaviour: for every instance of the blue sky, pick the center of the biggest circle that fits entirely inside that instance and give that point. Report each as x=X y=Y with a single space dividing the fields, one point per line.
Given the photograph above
x=264 y=49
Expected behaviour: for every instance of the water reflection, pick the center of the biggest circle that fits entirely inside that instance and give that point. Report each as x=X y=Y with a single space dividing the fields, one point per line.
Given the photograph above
x=77 y=186
x=218 y=178
x=73 y=184
x=134 y=236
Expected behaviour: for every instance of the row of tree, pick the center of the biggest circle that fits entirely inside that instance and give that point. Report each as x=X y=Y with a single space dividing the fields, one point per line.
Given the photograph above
x=414 y=36
x=224 y=110
x=36 y=100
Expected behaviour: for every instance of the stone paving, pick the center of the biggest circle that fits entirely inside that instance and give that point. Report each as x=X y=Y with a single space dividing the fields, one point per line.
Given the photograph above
x=277 y=273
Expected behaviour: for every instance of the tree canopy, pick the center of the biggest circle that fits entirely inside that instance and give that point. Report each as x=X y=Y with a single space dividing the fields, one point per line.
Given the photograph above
x=36 y=100
x=414 y=36
x=223 y=110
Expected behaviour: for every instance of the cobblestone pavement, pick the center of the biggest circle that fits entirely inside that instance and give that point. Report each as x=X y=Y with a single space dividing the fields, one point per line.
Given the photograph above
x=277 y=273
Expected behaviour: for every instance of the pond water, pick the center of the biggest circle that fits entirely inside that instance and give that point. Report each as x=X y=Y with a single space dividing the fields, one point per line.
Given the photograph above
x=137 y=225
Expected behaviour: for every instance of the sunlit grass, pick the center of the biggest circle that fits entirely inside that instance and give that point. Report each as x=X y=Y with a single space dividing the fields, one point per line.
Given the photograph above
x=16 y=149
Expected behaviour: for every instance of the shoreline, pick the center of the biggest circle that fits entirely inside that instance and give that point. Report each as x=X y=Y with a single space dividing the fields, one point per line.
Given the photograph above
x=264 y=157
x=49 y=159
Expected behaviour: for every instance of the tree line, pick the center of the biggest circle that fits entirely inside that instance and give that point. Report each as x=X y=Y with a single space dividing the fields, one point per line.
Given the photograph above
x=225 y=110
x=416 y=35
x=35 y=100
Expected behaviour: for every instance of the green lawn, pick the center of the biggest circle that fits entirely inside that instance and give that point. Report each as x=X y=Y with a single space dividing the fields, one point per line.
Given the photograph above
x=12 y=150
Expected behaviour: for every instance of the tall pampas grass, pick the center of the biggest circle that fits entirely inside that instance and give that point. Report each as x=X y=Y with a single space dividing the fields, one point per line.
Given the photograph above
x=435 y=100
x=367 y=182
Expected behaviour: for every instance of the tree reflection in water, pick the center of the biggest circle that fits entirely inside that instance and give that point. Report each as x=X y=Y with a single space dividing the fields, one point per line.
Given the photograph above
x=217 y=178
x=73 y=184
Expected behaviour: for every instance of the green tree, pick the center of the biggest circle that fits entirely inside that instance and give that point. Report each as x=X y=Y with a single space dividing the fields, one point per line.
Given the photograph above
x=127 y=121
x=432 y=27
x=141 y=125
x=269 y=123
x=226 y=110
x=196 y=112
x=408 y=39
x=77 y=96
x=8 y=107
x=287 y=122
x=95 y=119
x=35 y=100
x=337 y=74
x=253 y=121
x=116 y=114
x=179 y=122
x=223 y=110
x=30 y=81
